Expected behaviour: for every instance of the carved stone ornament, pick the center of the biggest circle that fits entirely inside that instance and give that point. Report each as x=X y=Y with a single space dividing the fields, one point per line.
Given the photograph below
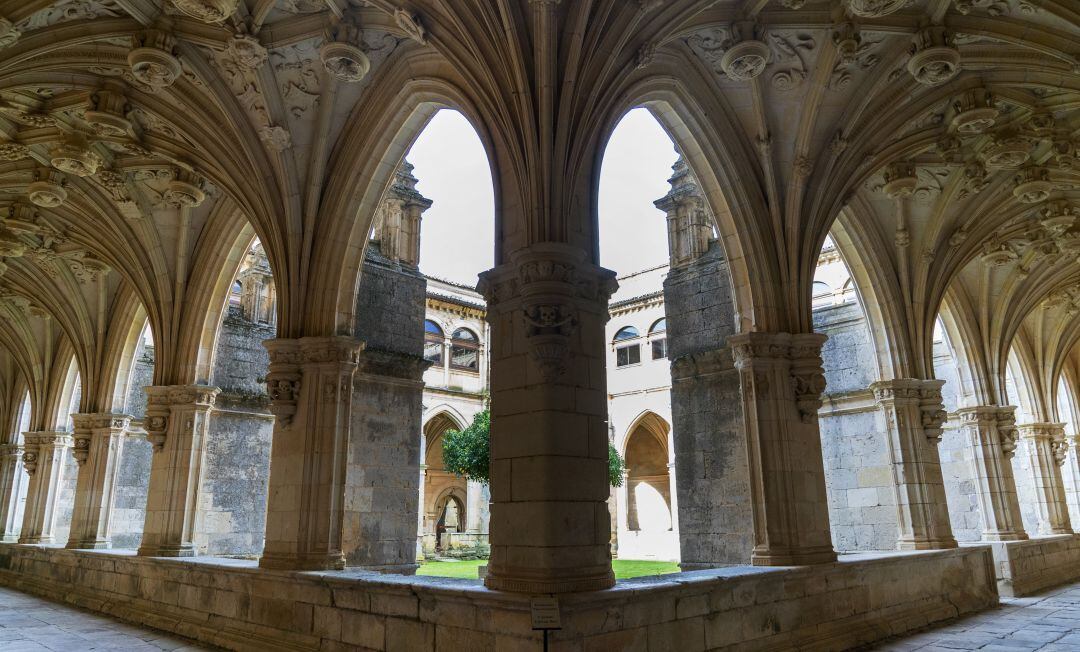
x=13 y=152
x=75 y=158
x=8 y=33
x=30 y=460
x=208 y=11
x=745 y=60
x=411 y=25
x=901 y=180
x=1057 y=217
x=1008 y=432
x=344 y=61
x=106 y=114
x=933 y=60
x=1033 y=185
x=80 y=449
x=181 y=194
x=548 y=329
x=1060 y=450
x=152 y=62
x=808 y=385
x=998 y=254
x=974 y=112
x=246 y=51
x=1007 y=153
x=283 y=379
x=276 y=138
x=875 y=8
x=156 y=427
x=46 y=193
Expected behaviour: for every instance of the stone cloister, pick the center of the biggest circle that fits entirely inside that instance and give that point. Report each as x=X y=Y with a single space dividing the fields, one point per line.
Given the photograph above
x=145 y=144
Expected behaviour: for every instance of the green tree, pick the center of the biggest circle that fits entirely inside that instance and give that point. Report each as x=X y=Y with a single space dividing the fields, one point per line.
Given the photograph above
x=468 y=452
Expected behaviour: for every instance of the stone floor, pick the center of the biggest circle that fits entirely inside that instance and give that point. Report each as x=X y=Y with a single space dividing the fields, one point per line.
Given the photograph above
x=30 y=624
x=1049 y=622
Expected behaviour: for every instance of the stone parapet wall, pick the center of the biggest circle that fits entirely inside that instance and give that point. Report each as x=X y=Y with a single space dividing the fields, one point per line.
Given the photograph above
x=1027 y=567
x=233 y=604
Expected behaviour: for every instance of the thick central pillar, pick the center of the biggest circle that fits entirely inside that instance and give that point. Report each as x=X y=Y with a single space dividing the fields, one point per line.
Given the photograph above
x=382 y=493
x=99 y=442
x=43 y=459
x=1047 y=449
x=782 y=381
x=914 y=416
x=11 y=479
x=311 y=384
x=177 y=417
x=992 y=435
x=550 y=527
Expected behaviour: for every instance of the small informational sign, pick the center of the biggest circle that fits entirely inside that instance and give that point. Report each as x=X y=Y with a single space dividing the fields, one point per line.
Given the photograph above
x=545 y=612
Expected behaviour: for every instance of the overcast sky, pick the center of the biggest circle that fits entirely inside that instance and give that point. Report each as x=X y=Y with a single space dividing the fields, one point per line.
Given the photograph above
x=458 y=231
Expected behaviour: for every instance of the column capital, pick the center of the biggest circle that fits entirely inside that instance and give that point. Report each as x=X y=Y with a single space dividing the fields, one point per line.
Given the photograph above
x=88 y=425
x=925 y=393
x=1040 y=430
x=332 y=350
x=800 y=353
x=10 y=450
x=160 y=400
x=283 y=378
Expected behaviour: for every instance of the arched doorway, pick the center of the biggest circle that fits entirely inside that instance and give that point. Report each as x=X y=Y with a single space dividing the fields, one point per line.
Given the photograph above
x=443 y=507
x=648 y=525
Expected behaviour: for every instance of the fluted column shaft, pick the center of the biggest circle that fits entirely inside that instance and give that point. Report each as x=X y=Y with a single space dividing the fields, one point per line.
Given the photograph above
x=177 y=420
x=43 y=459
x=11 y=480
x=992 y=435
x=99 y=443
x=550 y=525
x=1072 y=471
x=1047 y=449
x=310 y=382
x=782 y=381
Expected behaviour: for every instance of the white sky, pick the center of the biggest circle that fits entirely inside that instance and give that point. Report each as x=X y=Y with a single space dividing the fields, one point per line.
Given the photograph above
x=457 y=235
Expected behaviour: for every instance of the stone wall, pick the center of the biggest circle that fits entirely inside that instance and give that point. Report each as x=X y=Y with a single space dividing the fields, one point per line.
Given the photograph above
x=233 y=604
x=1027 y=567
x=712 y=471
x=236 y=470
x=382 y=488
x=133 y=475
x=854 y=443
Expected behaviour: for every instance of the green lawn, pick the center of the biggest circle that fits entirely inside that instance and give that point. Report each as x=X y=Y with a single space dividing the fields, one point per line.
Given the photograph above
x=624 y=568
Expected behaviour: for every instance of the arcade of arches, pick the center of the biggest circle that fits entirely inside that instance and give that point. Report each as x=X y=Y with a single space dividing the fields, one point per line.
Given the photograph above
x=842 y=462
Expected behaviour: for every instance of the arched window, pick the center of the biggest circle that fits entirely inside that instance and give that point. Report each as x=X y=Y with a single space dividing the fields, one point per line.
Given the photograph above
x=658 y=339
x=433 y=342
x=465 y=350
x=630 y=353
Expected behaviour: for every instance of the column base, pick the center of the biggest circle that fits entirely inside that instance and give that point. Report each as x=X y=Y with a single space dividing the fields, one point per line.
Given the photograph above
x=571 y=584
x=36 y=540
x=926 y=544
x=1048 y=532
x=9 y=538
x=185 y=550
x=311 y=562
x=93 y=544
x=1004 y=536
x=803 y=557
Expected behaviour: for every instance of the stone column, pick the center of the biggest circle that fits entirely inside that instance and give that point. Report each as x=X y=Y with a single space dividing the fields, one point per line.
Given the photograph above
x=310 y=382
x=914 y=416
x=550 y=524
x=11 y=479
x=99 y=442
x=1047 y=449
x=177 y=417
x=674 y=498
x=622 y=504
x=991 y=432
x=1072 y=471
x=420 y=510
x=43 y=459
x=475 y=494
x=782 y=381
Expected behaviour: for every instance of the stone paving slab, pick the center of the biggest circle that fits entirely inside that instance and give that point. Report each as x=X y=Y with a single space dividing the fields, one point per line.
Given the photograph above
x=30 y=624
x=1047 y=622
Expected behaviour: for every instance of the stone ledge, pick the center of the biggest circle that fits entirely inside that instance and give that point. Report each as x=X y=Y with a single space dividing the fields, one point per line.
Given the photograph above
x=1037 y=564
x=235 y=604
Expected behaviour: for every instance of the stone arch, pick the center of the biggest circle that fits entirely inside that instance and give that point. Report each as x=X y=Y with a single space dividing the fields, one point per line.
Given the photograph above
x=387 y=122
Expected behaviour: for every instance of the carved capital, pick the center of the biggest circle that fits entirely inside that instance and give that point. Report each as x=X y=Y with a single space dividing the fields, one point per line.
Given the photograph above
x=283 y=378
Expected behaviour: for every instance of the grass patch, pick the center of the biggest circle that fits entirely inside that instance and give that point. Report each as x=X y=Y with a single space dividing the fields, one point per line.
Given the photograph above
x=624 y=568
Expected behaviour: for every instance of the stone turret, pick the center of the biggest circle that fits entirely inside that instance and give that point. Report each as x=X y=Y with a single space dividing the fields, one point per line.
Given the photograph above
x=258 y=294
x=689 y=219
x=397 y=220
